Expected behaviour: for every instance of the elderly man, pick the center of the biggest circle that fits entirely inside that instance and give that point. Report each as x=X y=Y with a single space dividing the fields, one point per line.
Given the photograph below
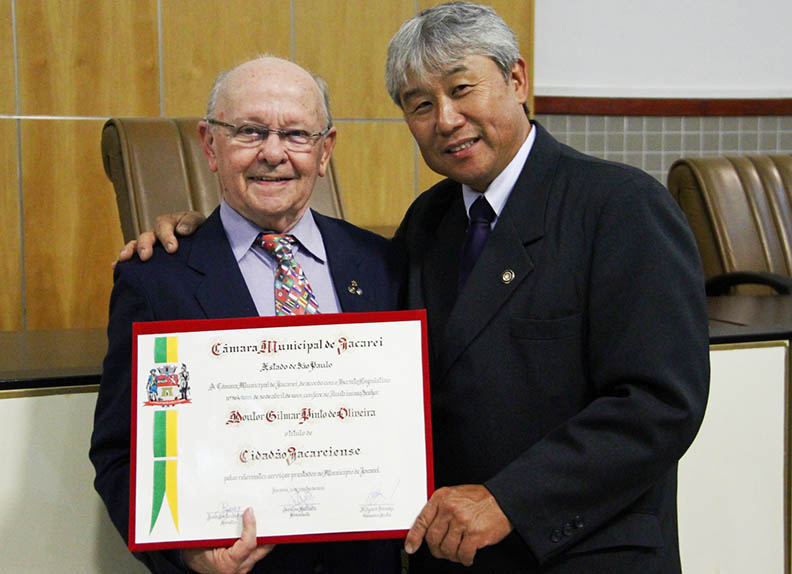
x=268 y=135
x=569 y=354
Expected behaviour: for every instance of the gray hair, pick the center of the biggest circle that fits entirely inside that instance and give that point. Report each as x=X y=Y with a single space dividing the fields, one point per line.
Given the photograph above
x=445 y=34
x=220 y=81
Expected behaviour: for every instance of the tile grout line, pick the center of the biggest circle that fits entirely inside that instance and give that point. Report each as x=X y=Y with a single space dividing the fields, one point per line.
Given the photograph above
x=625 y=123
x=778 y=134
x=740 y=135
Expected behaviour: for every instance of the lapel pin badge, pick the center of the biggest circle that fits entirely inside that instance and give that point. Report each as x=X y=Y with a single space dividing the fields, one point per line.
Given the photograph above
x=507 y=276
x=354 y=289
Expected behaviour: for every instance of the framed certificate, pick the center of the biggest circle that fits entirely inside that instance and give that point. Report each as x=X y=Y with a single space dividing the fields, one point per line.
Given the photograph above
x=320 y=423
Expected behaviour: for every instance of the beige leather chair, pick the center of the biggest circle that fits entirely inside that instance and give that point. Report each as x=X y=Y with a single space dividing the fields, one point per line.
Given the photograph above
x=157 y=166
x=740 y=210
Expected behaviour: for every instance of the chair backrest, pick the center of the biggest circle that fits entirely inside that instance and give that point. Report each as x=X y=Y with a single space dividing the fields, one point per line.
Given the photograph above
x=157 y=166
x=740 y=210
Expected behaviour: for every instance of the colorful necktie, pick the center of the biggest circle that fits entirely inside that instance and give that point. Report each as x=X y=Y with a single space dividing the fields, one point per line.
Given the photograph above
x=481 y=216
x=293 y=295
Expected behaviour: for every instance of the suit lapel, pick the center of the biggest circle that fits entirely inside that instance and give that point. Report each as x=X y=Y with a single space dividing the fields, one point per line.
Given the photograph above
x=222 y=292
x=347 y=267
x=441 y=266
x=505 y=263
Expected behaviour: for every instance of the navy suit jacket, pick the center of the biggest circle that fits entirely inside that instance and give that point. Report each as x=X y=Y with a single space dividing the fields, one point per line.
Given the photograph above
x=202 y=280
x=571 y=372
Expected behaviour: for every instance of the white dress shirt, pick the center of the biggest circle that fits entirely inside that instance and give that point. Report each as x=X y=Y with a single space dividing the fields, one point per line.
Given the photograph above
x=501 y=187
x=258 y=266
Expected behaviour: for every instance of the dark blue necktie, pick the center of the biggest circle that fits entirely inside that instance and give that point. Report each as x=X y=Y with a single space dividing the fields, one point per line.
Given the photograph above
x=481 y=216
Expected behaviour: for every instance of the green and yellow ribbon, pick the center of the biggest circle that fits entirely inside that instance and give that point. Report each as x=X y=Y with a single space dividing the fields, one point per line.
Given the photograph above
x=165 y=461
x=166 y=349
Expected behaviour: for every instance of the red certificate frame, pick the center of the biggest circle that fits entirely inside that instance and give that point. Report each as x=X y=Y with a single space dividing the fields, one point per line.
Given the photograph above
x=310 y=343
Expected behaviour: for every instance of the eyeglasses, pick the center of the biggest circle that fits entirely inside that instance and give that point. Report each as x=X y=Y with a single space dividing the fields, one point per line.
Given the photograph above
x=249 y=134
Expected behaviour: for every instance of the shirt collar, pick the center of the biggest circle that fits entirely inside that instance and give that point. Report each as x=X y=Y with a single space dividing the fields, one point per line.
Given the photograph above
x=242 y=232
x=499 y=190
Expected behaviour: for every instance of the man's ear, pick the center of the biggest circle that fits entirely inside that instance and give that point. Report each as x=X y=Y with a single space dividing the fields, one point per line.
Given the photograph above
x=518 y=79
x=327 y=150
x=207 y=143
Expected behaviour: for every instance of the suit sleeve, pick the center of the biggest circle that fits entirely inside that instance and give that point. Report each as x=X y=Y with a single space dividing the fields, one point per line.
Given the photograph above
x=110 y=442
x=646 y=364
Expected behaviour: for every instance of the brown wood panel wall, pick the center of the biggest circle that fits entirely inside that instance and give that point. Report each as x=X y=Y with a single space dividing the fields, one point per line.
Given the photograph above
x=10 y=252
x=201 y=39
x=87 y=58
x=376 y=192
x=10 y=238
x=7 y=95
x=378 y=158
x=76 y=63
x=71 y=228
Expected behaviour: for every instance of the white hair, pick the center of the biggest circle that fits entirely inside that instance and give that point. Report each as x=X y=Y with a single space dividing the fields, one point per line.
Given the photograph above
x=443 y=35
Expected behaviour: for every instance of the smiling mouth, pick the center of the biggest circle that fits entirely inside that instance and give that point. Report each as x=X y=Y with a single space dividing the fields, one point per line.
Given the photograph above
x=462 y=146
x=269 y=179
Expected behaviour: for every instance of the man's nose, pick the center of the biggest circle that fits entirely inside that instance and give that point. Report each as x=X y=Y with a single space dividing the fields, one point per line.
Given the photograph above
x=272 y=149
x=449 y=117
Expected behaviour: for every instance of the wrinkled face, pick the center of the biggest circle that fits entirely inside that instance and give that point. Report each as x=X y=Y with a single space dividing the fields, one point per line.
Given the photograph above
x=468 y=120
x=267 y=183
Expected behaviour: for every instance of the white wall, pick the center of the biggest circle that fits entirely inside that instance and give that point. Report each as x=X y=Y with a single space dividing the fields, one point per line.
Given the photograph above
x=732 y=481
x=663 y=48
x=51 y=519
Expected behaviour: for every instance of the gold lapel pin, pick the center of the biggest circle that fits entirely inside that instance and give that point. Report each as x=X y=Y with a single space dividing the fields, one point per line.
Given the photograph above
x=354 y=289
x=507 y=276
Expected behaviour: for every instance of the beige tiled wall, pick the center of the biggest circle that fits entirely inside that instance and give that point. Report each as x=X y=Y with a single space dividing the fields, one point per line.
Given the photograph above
x=654 y=143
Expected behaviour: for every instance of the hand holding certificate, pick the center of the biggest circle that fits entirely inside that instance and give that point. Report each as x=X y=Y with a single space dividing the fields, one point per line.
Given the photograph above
x=320 y=424
x=241 y=556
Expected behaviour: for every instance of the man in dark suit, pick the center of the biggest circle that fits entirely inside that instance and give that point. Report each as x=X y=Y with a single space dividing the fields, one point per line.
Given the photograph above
x=569 y=366
x=567 y=323
x=268 y=135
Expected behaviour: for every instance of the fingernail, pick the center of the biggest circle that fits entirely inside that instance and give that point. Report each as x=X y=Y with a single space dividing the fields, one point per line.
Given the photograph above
x=408 y=548
x=169 y=246
x=181 y=228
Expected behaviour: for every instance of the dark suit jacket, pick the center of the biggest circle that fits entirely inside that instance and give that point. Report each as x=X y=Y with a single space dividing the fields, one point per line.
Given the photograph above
x=202 y=280
x=571 y=372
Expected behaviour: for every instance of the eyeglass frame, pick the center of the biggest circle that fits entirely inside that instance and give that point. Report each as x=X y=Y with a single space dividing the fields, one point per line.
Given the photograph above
x=282 y=134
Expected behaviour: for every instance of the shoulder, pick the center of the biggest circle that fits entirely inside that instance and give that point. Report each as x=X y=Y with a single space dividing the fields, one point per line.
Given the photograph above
x=208 y=234
x=436 y=198
x=339 y=236
x=428 y=209
x=337 y=230
x=582 y=170
x=578 y=176
x=620 y=209
x=330 y=225
x=160 y=260
x=586 y=187
x=161 y=268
